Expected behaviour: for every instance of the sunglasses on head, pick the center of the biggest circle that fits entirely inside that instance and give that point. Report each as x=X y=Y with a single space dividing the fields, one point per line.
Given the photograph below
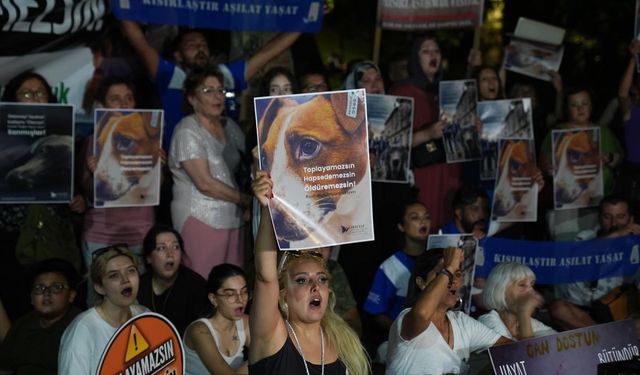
x=120 y=248
x=290 y=255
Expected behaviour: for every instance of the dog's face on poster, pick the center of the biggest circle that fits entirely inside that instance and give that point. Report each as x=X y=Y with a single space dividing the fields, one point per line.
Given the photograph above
x=47 y=162
x=577 y=165
x=516 y=170
x=122 y=139
x=313 y=134
x=396 y=163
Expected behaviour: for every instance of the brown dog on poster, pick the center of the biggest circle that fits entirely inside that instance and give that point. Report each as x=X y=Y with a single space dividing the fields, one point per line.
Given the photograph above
x=315 y=154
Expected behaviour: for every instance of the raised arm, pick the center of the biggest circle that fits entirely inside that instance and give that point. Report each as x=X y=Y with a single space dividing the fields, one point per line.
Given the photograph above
x=149 y=56
x=435 y=286
x=269 y=51
x=268 y=331
x=627 y=80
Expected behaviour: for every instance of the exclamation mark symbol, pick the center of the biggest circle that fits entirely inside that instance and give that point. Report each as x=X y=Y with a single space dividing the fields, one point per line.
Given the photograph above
x=135 y=341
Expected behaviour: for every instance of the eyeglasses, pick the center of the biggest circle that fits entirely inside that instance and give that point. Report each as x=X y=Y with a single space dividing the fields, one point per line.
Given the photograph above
x=28 y=94
x=55 y=288
x=172 y=248
x=210 y=91
x=120 y=248
x=295 y=254
x=233 y=295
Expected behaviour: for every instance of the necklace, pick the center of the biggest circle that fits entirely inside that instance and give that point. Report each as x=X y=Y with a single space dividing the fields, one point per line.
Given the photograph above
x=295 y=337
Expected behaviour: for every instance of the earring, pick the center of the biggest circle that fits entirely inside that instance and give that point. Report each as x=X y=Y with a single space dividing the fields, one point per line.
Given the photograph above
x=284 y=308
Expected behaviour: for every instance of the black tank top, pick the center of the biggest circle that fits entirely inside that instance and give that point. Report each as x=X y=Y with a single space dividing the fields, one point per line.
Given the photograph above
x=288 y=361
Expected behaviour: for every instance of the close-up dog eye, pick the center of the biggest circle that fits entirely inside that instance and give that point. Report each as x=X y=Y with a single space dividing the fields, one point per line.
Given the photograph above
x=306 y=148
x=123 y=143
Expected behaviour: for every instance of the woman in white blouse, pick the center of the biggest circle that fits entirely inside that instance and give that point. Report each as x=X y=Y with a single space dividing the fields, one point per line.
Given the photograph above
x=207 y=207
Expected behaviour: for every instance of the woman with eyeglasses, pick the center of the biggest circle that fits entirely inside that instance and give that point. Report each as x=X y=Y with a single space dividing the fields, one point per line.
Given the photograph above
x=428 y=337
x=20 y=224
x=169 y=287
x=114 y=273
x=217 y=344
x=208 y=209
x=294 y=329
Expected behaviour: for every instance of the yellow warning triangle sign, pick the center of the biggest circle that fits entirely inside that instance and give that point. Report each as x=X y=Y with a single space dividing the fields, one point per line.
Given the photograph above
x=136 y=345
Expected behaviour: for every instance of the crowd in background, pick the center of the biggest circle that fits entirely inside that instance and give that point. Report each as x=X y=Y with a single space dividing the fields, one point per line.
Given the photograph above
x=192 y=258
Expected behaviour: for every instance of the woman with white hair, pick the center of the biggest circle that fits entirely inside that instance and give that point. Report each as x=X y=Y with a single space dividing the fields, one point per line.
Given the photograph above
x=510 y=295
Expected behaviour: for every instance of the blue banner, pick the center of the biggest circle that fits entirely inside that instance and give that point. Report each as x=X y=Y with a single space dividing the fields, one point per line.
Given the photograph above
x=563 y=262
x=247 y=15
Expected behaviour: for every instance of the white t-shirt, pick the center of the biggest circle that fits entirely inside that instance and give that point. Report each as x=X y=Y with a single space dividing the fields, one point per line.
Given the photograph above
x=492 y=320
x=429 y=354
x=84 y=340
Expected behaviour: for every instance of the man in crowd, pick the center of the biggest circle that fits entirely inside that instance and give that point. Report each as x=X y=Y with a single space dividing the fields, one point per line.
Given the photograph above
x=191 y=50
x=578 y=303
x=32 y=343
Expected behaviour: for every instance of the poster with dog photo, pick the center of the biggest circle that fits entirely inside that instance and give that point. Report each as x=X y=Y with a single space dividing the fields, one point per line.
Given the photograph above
x=507 y=119
x=315 y=146
x=515 y=197
x=458 y=103
x=469 y=245
x=390 y=125
x=36 y=153
x=577 y=168
x=532 y=59
x=127 y=145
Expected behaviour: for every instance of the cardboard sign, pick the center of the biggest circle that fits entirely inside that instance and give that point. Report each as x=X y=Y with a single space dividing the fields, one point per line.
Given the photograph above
x=390 y=131
x=147 y=344
x=315 y=146
x=36 y=153
x=127 y=144
x=578 y=351
x=577 y=168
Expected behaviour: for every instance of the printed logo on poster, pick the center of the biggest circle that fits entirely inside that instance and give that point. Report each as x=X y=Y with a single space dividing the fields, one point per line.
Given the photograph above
x=146 y=344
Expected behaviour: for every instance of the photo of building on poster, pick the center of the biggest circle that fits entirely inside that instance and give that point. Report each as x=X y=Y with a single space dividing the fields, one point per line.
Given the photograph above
x=532 y=59
x=458 y=100
x=315 y=146
x=390 y=130
x=36 y=153
x=577 y=168
x=509 y=119
x=469 y=245
x=516 y=194
x=127 y=144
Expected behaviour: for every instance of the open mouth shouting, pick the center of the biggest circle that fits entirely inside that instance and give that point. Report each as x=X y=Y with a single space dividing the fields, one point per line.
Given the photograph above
x=315 y=303
x=127 y=292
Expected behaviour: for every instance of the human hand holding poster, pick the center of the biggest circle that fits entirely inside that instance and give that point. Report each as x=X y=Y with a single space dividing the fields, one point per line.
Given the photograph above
x=390 y=124
x=578 y=351
x=127 y=145
x=577 y=168
x=36 y=153
x=516 y=193
x=315 y=147
x=468 y=244
x=458 y=101
x=509 y=118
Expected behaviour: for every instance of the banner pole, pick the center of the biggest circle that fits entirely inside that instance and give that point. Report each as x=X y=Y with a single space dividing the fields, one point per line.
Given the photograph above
x=377 y=37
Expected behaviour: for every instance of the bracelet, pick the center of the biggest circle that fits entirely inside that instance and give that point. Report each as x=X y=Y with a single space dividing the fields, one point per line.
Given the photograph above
x=448 y=274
